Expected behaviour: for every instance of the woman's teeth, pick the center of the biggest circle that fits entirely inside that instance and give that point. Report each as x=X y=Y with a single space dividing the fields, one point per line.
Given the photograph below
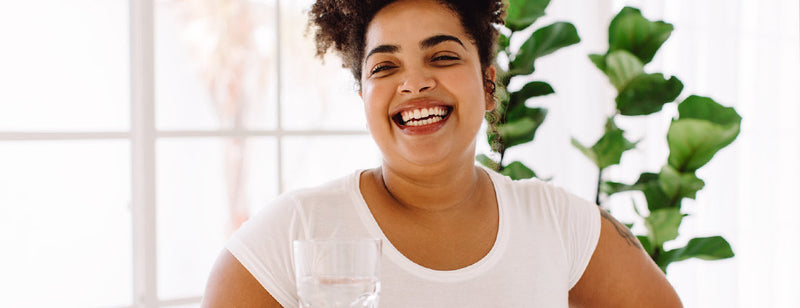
x=424 y=122
x=423 y=116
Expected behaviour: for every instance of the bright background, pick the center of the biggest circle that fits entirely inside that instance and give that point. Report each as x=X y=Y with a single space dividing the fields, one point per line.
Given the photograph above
x=136 y=136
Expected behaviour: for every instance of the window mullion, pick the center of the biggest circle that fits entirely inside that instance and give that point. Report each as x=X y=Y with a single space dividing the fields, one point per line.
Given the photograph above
x=278 y=54
x=145 y=287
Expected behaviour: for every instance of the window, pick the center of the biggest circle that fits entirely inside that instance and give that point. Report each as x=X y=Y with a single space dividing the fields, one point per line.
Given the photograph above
x=135 y=136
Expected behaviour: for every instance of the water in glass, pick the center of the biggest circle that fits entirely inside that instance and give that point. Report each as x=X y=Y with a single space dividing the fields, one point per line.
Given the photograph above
x=330 y=292
x=337 y=273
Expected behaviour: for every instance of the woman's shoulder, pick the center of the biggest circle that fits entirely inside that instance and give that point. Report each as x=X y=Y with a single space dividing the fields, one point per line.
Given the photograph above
x=342 y=187
x=288 y=204
x=531 y=187
x=535 y=195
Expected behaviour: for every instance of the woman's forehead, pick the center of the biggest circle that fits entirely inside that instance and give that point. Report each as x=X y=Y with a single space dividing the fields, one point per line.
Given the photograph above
x=408 y=22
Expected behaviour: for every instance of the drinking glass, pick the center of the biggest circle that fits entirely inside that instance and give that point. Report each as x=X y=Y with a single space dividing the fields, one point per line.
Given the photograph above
x=337 y=273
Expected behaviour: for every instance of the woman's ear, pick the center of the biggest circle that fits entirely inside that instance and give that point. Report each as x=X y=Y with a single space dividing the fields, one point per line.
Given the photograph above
x=489 y=87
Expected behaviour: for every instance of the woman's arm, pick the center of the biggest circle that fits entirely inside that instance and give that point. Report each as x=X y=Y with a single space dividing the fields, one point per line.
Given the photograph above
x=231 y=285
x=621 y=274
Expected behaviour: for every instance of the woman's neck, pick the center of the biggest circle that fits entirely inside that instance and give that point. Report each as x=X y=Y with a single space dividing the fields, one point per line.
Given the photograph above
x=433 y=189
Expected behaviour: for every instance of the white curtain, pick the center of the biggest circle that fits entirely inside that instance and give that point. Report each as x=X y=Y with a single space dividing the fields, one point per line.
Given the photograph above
x=742 y=53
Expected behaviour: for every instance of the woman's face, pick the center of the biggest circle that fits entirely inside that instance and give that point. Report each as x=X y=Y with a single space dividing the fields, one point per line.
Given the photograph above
x=422 y=85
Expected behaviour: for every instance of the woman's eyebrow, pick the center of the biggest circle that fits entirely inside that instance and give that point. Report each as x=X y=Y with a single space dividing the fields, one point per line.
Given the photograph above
x=424 y=44
x=437 y=39
x=382 y=49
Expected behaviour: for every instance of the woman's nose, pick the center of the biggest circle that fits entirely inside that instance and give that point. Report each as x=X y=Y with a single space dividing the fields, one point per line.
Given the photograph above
x=417 y=82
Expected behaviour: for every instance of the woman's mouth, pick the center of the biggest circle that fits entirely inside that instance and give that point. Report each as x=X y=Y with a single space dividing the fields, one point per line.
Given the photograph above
x=421 y=116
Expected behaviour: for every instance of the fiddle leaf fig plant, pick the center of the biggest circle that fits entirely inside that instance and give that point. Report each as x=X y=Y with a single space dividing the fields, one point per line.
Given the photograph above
x=513 y=122
x=702 y=128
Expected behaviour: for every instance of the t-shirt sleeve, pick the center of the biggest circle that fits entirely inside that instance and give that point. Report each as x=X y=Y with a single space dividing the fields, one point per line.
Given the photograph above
x=580 y=221
x=263 y=245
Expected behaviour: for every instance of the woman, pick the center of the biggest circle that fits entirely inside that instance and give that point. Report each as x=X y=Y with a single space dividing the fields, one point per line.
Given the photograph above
x=454 y=234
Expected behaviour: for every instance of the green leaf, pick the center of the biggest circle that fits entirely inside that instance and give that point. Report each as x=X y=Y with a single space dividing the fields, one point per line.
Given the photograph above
x=536 y=114
x=647 y=177
x=647 y=93
x=610 y=188
x=486 y=161
x=646 y=245
x=529 y=90
x=630 y=31
x=661 y=261
x=704 y=128
x=656 y=198
x=622 y=67
x=662 y=225
x=517 y=171
x=523 y=13
x=542 y=42
x=502 y=42
x=705 y=248
x=651 y=185
x=678 y=185
x=518 y=131
x=599 y=61
x=704 y=108
x=608 y=150
x=670 y=181
x=692 y=143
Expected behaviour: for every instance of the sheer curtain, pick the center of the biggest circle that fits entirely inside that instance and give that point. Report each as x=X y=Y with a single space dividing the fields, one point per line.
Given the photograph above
x=742 y=53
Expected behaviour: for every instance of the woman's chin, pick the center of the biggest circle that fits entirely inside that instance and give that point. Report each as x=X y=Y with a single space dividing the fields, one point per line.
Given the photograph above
x=421 y=159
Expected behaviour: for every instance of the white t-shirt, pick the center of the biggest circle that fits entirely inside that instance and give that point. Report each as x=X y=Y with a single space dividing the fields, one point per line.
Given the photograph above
x=545 y=239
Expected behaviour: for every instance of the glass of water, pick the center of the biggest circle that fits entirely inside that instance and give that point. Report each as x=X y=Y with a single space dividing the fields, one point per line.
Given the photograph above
x=337 y=273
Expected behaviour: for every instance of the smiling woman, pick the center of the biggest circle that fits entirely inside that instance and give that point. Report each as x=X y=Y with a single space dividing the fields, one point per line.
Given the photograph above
x=454 y=234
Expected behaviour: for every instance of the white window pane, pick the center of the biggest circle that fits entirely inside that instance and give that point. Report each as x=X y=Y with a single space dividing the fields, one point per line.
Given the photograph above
x=201 y=199
x=64 y=65
x=65 y=224
x=215 y=64
x=310 y=161
x=313 y=95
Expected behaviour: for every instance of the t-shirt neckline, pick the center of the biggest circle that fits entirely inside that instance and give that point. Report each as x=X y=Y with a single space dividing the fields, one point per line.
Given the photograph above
x=396 y=257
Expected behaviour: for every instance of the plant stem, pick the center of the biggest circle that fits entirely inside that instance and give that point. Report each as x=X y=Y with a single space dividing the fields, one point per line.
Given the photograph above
x=500 y=163
x=599 y=182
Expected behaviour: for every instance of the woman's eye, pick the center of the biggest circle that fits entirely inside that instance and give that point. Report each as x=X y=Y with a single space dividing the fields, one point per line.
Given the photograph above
x=380 y=68
x=445 y=58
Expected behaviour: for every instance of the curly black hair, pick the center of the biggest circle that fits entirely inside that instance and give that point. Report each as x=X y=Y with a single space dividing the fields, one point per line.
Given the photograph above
x=342 y=25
